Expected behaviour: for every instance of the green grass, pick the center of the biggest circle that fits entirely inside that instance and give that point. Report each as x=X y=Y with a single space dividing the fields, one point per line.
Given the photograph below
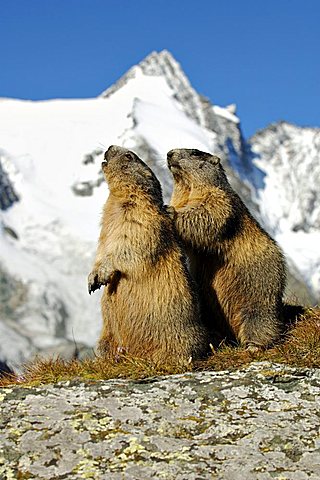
x=300 y=346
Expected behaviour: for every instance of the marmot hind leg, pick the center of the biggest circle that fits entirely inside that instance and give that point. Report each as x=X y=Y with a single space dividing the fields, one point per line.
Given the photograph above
x=107 y=345
x=259 y=331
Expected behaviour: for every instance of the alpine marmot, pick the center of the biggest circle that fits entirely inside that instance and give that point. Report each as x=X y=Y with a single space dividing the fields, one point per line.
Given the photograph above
x=150 y=307
x=239 y=268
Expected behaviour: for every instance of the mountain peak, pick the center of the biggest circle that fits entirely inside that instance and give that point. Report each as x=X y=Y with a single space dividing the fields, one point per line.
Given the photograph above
x=155 y=64
x=158 y=63
x=163 y=64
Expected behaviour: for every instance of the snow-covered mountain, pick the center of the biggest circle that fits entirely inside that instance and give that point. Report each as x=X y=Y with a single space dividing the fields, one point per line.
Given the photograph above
x=289 y=192
x=52 y=192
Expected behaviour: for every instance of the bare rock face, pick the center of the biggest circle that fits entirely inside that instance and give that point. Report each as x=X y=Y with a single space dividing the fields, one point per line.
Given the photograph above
x=8 y=196
x=258 y=423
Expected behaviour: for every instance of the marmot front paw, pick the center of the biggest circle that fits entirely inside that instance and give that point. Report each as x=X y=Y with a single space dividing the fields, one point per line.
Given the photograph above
x=102 y=276
x=98 y=277
x=93 y=282
x=170 y=211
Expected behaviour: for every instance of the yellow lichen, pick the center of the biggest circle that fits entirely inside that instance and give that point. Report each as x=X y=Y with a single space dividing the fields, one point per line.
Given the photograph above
x=4 y=393
x=7 y=473
x=133 y=449
x=88 y=467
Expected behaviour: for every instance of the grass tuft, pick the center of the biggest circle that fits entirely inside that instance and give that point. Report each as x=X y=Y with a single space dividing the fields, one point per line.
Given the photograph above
x=300 y=347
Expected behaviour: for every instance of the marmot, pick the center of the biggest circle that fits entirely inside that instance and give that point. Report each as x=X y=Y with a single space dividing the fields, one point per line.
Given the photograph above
x=239 y=268
x=150 y=307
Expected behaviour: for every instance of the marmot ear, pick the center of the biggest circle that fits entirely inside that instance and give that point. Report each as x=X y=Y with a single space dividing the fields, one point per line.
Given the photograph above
x=214 y=160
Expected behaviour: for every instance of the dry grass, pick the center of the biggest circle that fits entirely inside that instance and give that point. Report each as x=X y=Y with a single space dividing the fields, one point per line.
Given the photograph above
x=299 y=347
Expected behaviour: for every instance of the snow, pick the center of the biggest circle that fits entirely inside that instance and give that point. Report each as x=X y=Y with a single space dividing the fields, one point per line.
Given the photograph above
x=303 y=248
x=47 y=142
x=226 y=113
x=166 y=128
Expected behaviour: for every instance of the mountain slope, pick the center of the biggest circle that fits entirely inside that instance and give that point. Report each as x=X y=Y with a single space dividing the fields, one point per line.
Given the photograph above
x=289 y=195
x=52 y=192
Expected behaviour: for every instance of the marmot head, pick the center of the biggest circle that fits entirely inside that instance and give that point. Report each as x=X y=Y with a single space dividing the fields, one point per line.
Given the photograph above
x=127 y=175
x=196 y=168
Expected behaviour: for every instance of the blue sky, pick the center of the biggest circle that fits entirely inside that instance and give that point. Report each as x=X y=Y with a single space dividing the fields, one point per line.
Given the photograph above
x=262 y=55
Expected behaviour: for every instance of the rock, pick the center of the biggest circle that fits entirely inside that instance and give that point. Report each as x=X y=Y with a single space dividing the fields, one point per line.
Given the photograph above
x=258 y=423
x=8 y=195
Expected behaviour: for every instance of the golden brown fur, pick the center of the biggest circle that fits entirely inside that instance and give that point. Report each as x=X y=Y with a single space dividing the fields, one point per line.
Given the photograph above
x=149 y=305
x=239 y=268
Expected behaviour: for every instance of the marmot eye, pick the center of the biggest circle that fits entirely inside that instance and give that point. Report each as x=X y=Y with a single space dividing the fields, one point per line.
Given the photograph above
x=128 y=155
x=197 y=153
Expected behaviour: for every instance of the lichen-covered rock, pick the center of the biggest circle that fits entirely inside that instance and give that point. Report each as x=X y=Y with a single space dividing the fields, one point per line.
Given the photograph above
x=258 y=423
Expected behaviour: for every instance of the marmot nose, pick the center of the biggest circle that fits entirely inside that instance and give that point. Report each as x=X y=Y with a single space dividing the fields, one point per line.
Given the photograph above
x=110 y=151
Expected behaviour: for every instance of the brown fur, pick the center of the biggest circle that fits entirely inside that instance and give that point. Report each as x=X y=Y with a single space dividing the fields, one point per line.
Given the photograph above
x=239 y=268
x=149 y=305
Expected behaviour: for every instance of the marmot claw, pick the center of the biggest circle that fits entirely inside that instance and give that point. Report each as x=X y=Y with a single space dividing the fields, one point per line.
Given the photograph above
x=93 y=283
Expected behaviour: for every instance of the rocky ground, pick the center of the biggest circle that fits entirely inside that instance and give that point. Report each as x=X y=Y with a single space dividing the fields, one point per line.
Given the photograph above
x=258 y=423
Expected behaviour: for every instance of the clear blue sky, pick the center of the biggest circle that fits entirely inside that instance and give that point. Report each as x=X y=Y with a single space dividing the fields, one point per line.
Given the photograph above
x=262 y=55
